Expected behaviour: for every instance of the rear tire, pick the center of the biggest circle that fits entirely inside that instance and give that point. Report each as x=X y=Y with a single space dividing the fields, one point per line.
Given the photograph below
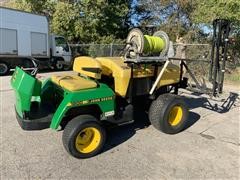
x=84 y=137
x=4 y=68
x=168 y=113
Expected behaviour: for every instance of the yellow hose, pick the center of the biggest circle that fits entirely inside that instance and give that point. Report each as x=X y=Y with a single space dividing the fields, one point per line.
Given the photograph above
x=153 y=44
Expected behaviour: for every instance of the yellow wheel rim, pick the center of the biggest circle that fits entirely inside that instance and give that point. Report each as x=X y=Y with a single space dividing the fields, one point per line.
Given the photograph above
x=88 y=140
x=175 y=116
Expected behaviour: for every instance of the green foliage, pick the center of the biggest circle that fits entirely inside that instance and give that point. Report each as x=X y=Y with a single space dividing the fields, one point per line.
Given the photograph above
x=64 y=19
x=85 y=21
x=233 y=76
x=17 y=4
x=208 y=10
x=107 y=21
x=45 y=7
x=172 y=16
x=102 y=21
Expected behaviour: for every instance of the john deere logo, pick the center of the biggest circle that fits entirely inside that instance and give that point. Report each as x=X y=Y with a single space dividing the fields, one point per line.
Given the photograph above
x=79 y=103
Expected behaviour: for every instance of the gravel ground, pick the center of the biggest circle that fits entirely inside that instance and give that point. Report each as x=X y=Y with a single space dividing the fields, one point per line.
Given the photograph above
x=207 y=149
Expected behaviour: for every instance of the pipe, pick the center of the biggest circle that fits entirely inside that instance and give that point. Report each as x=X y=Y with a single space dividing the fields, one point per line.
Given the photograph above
x=159 y=77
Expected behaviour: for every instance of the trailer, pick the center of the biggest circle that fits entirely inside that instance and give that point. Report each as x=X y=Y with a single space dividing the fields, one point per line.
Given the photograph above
x=24 y=36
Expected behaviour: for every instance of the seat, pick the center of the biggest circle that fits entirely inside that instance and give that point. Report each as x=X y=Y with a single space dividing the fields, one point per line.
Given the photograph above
x=120 y=71
x=87 y=66
x=73 y=82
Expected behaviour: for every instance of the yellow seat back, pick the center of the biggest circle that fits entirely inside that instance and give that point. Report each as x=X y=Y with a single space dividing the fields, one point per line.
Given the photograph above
x=87 y=66
x=119 y=70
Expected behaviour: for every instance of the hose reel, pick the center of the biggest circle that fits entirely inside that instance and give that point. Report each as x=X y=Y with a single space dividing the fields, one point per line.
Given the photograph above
x=139 y=44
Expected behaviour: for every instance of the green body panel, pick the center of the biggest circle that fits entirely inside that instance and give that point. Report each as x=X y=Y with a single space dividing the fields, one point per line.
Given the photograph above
x=153 y=44
x=28 y=89
x=25 y=87
x=102 y=96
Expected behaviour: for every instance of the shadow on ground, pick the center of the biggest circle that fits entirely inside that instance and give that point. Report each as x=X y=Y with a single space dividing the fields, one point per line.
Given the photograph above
x=221 y=106
x=119 y=135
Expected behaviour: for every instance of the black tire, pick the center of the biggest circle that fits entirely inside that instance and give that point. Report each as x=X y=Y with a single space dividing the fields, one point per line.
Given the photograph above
x=59 y=66
x=159 y=113
x=4 y=68
x=73 y=130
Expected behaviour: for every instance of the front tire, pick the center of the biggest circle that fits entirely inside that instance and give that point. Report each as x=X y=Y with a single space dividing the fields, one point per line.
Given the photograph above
x=84 y=137
x=168 y=113
x=59 y=66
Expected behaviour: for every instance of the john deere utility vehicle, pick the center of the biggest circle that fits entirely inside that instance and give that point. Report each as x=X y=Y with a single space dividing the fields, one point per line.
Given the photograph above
x=104 y=90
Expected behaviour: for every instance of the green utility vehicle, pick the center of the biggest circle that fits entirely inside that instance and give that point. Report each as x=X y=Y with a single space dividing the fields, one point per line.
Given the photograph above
x=104 y=90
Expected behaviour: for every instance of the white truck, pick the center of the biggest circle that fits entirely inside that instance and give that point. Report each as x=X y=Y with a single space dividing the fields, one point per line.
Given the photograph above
x=25 y=36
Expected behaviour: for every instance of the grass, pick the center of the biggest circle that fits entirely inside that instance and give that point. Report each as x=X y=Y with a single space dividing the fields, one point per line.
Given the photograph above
x=234 y=76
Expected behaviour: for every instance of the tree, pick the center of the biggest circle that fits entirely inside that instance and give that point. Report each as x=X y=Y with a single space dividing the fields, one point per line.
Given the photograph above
x=102 y=20
x=64 y=20
x=82 y=21
x=208 y=10
x=172 y=16
x=44 y=7
x=223 y=10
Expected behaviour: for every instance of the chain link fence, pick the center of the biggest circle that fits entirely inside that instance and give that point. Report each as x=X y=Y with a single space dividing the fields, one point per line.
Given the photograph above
x=198 y=56
x=190 y=51
x=97 y=50
x=198 y=52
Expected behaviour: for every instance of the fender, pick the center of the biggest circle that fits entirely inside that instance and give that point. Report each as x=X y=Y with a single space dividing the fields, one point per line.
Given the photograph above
x=102 y=96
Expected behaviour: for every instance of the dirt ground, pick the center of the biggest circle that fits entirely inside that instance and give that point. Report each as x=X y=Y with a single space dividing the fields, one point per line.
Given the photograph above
x=207 y=149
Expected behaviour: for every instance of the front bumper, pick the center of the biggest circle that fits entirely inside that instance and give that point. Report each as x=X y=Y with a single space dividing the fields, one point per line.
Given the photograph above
x=33 y=124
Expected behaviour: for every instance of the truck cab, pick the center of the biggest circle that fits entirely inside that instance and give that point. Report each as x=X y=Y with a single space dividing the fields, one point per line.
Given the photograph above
x=60 y=51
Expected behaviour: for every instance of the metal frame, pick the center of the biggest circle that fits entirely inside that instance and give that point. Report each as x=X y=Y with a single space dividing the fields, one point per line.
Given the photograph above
x=221 y=30
x=220 y=43
x=164 y=61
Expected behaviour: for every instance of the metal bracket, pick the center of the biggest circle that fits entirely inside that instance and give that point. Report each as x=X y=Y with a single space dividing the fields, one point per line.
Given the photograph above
x=159 y=77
